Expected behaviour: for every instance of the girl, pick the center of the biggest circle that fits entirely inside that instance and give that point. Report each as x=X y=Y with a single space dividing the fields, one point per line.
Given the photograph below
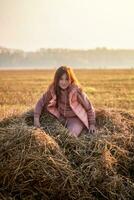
x=67 y=102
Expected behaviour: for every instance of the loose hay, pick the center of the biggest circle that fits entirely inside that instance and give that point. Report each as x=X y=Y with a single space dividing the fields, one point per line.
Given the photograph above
x=32 y=163
x=47 y=163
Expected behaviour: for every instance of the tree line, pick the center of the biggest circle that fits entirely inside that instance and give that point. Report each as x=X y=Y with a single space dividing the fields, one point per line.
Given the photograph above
x=49 y=58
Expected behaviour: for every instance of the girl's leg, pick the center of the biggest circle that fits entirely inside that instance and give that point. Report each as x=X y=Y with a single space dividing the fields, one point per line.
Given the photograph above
x=75 y=126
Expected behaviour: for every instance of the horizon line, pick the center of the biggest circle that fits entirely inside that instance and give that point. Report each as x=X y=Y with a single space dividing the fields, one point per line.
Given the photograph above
x=54 y=48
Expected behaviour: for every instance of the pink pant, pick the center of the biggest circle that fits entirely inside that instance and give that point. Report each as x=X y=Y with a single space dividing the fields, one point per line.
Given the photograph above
x=73 y=124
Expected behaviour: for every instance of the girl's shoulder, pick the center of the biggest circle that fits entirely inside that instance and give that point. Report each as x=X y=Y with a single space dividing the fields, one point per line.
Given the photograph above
x=79 y=92
x=75 y=88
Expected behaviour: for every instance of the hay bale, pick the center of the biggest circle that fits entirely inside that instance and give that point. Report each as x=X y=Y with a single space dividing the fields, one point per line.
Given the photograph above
x=12 y=120
x=108 y=121
x=47 y=163
x=32 y=164
x=99 y=167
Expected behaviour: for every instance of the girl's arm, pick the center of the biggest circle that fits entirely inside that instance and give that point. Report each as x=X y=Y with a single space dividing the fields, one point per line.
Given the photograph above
x=84 y=100
x=42 y=102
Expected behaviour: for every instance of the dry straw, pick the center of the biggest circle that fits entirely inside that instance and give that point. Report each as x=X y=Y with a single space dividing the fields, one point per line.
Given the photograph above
x=47 y=163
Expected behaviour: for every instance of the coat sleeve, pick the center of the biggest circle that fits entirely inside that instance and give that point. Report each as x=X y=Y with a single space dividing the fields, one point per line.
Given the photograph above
x=86 y=103
x=41 y=103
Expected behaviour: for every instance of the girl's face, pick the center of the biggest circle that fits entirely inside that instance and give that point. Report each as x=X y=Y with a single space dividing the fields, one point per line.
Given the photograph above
x=64 y=82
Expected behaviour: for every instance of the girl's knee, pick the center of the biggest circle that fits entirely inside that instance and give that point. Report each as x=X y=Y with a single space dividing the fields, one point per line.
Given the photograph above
x=75 y=126
x=74 y=131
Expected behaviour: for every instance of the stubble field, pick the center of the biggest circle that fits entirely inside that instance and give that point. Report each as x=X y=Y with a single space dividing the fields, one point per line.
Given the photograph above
x=20 y=90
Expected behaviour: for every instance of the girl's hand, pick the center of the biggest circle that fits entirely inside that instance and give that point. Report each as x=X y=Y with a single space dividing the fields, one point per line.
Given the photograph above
x=92 y=129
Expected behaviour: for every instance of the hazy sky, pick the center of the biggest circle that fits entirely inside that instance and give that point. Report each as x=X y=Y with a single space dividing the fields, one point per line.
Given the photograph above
x=32 y=24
